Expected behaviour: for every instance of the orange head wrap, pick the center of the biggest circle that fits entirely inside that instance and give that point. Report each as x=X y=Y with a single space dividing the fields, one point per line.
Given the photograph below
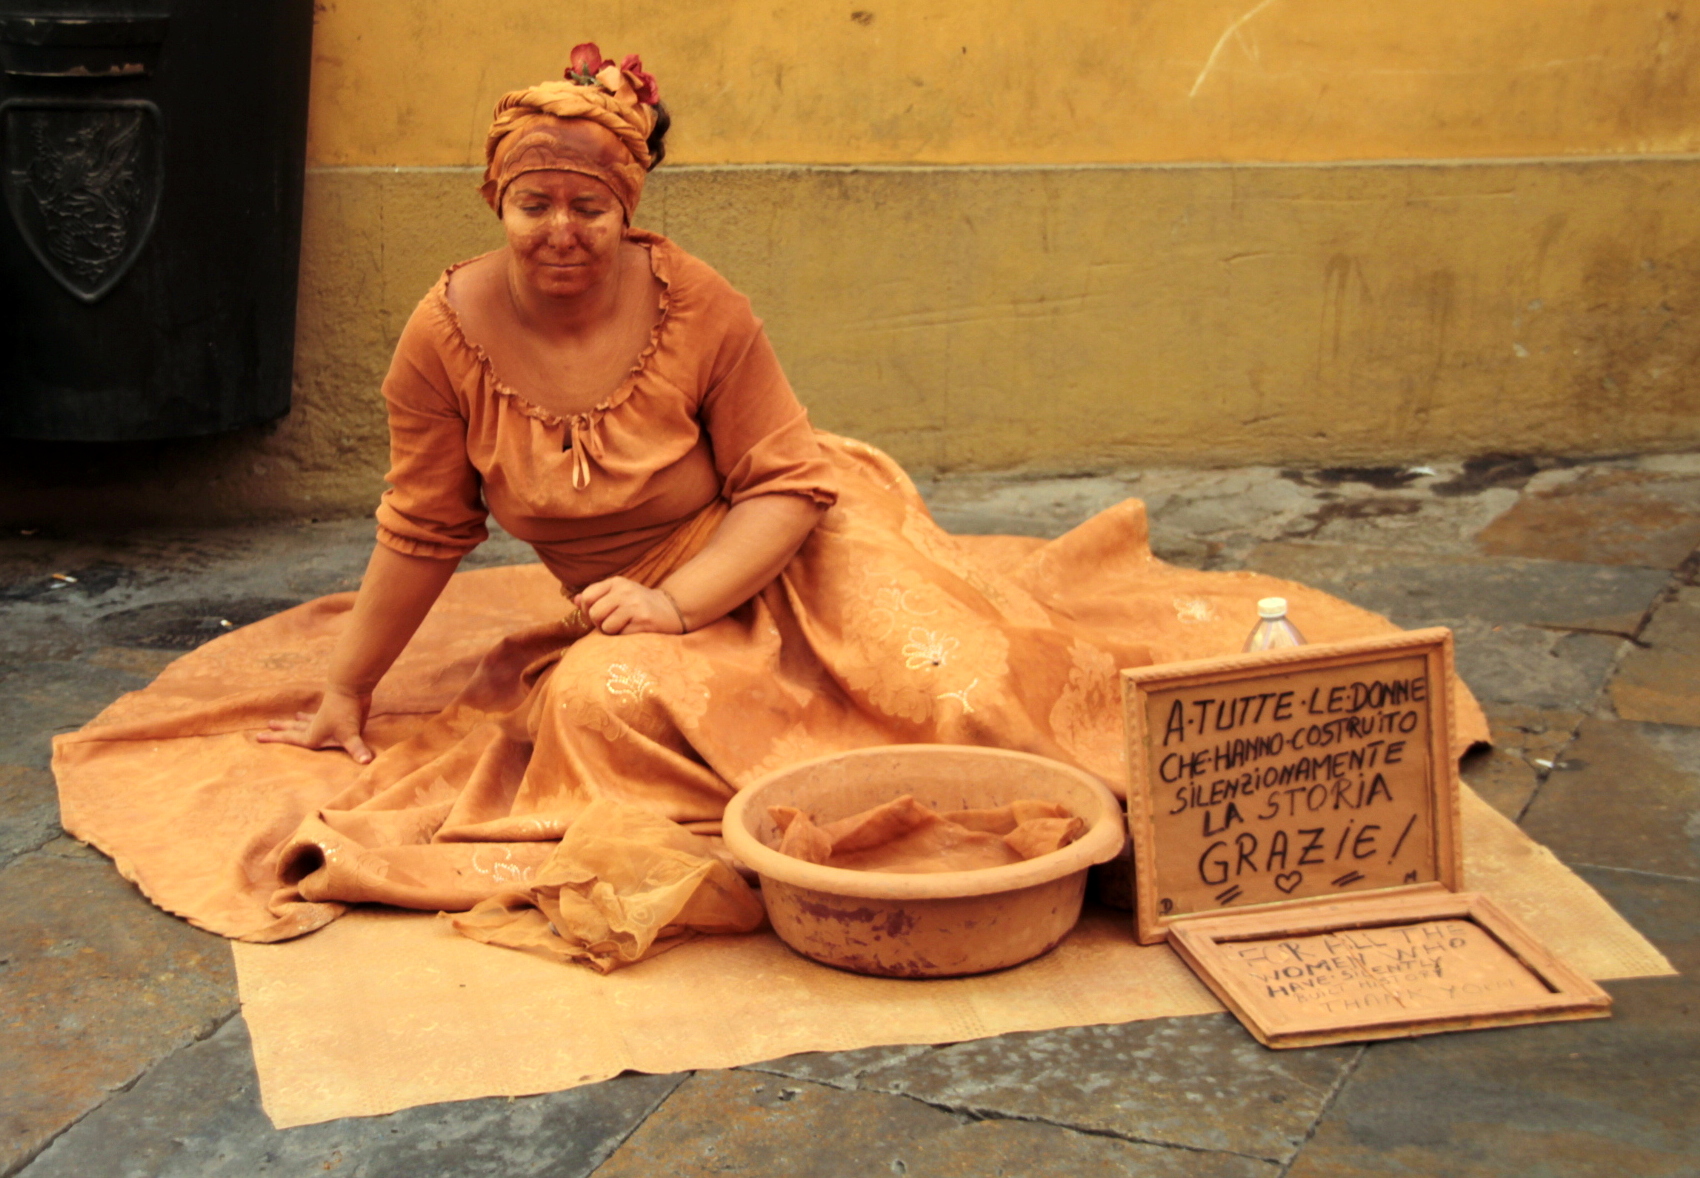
x=528 y=136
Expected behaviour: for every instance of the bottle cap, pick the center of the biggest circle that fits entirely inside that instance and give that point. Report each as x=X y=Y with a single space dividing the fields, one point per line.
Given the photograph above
x=1272 y=607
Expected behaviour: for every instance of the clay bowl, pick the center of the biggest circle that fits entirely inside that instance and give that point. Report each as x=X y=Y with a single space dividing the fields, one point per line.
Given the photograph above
x=938 y=925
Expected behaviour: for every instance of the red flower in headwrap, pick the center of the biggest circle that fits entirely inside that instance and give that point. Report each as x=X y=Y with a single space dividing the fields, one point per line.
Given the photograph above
x=587 y=62
x=648 y=92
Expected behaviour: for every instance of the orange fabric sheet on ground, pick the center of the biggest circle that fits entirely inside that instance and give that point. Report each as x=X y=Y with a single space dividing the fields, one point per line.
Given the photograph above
x=386 y=1010
x=501 y=724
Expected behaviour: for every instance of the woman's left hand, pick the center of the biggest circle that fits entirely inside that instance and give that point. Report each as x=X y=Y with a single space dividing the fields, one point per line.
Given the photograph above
x=622 y=606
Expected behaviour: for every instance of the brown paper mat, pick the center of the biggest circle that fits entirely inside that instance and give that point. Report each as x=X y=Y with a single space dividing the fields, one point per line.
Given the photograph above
x=385 y=1010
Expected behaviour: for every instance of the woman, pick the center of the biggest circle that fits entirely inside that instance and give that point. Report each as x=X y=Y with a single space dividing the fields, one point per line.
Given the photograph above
x=742 y=593
x=568 y=313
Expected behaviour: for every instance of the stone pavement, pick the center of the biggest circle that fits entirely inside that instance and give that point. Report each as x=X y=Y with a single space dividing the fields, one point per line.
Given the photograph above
x=1574 y=590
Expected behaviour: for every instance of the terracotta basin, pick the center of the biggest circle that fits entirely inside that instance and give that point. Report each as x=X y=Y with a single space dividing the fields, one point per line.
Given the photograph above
x=936 y=925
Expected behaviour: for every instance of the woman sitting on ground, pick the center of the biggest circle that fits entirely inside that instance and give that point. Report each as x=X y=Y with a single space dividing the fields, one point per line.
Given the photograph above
x=742 y=592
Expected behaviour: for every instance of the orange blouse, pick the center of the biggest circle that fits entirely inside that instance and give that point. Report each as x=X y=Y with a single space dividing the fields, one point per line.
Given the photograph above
x=705 y=412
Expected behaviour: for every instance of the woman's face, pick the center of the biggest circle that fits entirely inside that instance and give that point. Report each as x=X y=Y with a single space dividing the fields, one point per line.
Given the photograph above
x=564 y=231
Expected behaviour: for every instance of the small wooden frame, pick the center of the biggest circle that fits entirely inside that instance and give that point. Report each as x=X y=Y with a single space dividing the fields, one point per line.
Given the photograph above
x=1313 y=772
x=1386 y=967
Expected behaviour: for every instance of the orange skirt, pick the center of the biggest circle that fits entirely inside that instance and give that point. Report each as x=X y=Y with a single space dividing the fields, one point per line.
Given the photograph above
x=501 y=723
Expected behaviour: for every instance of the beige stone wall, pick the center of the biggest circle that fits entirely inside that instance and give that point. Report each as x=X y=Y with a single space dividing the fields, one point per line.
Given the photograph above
x=995 y=234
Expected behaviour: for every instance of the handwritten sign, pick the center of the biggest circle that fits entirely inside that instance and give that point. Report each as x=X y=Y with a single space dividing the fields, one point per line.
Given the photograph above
x=1381 y=966
x=1403 y=968
x=1259 y=779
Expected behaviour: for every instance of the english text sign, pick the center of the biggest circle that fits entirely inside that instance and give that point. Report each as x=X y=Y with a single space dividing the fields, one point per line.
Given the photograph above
x=1413 y=962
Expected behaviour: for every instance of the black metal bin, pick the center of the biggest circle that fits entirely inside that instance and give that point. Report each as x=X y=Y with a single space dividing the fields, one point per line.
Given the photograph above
x=151 y=155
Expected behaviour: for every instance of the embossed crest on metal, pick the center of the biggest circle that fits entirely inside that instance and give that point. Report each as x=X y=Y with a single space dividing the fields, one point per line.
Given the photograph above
x=83 y=180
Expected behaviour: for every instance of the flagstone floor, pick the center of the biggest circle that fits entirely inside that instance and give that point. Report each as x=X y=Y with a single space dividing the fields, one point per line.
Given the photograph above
x=1574 y=591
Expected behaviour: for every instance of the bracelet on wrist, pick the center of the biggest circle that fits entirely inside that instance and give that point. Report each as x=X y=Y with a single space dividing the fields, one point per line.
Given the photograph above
x=684 y=627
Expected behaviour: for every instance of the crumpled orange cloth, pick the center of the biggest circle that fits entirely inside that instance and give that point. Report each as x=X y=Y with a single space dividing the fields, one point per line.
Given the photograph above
x=499 y=728
x=622 y=885
x=905 y=836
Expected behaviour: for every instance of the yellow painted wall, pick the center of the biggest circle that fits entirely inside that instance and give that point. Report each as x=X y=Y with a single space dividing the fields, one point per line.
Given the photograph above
x=1061 y=319
x=411 y=82
x=1066 y=236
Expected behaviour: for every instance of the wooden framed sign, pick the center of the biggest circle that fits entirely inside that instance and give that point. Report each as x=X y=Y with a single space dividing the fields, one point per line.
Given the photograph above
x=1380 y=968
x=1288 y=775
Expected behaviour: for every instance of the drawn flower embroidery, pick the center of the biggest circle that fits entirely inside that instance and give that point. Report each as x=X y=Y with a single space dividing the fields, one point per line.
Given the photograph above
x=1086 y=719
x=890 y=603
x=632 y=683
x=917 y=641
x=503 y=870
x=945 y=550
x=1194 y=609
x=925 y=649
x=961 y=697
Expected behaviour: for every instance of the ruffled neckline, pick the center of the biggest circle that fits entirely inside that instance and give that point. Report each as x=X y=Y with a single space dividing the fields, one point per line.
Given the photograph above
x=660 y=265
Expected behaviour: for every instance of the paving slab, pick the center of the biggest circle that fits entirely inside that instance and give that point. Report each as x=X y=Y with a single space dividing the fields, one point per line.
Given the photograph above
x=283 y=559
x=740 y=1122
x=66 y=847
x=1659 y=680
x=1427 y=589
x=1643 y=511
x=97 y=986
x=181 y=623
x=1611 y=514
x=198 y=1115
x=108 y=985
x=1201 y=1083
x=143 y=661
x=838 y=1069
x=1417 y=519
x=1213 y=517
x=1228 y=508
x=1045 y=507
x=29 y=810
x=1617 y=1098
x=1426 y=509
x=1624 y=795
x=1527 y=742
x=40 y=700
x=171 y=590
x=37 y=635
x=1680 y=465
x=1534 y=666
x=1503 y=780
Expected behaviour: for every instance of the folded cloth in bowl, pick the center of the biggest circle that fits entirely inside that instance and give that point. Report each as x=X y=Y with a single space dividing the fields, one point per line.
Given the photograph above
x=905 y=836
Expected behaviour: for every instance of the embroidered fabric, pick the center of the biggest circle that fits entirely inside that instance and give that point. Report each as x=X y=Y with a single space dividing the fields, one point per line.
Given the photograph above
x=504 y=726
x=705 y=413
x=499 y=728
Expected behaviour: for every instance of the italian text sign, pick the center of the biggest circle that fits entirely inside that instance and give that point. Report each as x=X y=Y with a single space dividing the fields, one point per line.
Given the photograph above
x=1306 y=779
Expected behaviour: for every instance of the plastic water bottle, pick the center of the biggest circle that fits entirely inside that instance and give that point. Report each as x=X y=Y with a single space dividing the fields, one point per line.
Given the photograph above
x=1273 y=630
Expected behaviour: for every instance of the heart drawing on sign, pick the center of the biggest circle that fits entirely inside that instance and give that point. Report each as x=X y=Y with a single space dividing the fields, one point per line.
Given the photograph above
x=1289 y=880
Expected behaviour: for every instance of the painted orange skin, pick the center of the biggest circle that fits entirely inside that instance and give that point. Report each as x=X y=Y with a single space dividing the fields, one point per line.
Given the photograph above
x=566 y=273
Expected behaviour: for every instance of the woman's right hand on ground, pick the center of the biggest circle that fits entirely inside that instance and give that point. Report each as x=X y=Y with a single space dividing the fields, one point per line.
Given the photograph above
x=338 y=724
